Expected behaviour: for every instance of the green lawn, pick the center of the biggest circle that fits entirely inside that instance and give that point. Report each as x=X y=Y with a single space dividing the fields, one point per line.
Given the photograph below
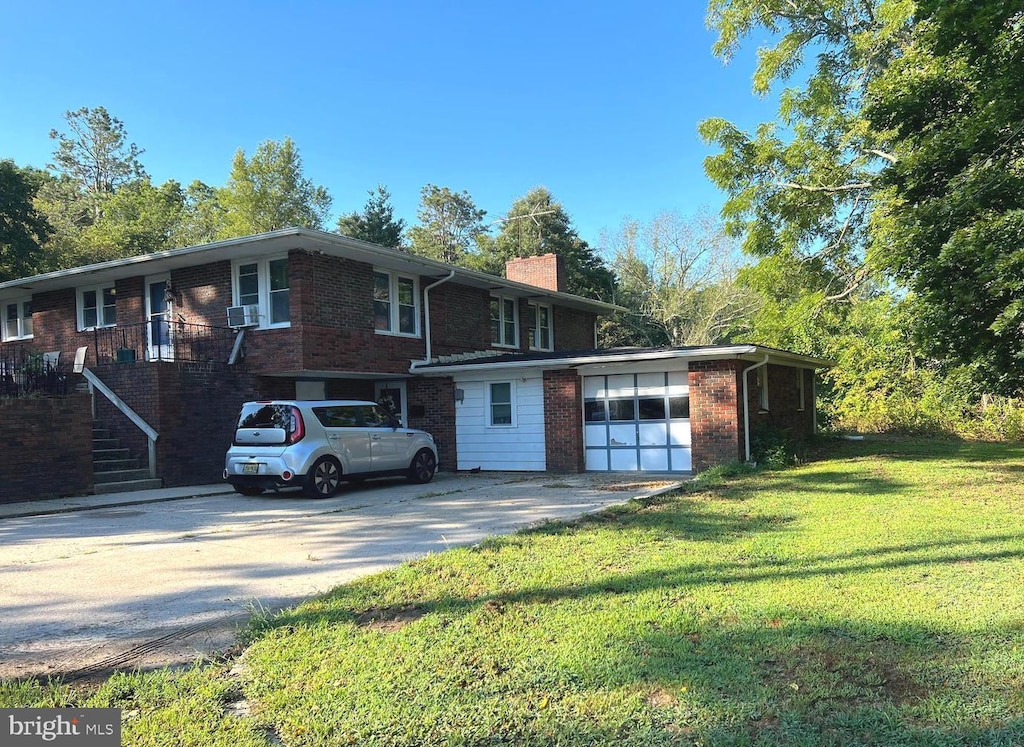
x=874 y=597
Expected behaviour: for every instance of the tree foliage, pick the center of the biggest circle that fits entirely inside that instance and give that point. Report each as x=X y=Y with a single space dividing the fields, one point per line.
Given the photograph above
x=23 y=228
x=678 y=278
x=951 y=208
x=95 y=156
x=270 y=191
x=450 y=223
x=376 y=223
x=537 y=224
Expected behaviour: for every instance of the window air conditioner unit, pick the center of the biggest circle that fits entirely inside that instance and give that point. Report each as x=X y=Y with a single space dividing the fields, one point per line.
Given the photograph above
x=244 y=316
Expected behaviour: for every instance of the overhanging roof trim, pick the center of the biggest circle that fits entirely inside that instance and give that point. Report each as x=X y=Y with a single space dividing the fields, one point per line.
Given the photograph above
x=279 y=241
x=711 y=352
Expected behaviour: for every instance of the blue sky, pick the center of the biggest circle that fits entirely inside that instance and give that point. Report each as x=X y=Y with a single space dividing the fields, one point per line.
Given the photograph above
x=597 y=101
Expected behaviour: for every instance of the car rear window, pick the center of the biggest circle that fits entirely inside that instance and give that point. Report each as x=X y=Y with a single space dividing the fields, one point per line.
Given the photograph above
x=266 y=416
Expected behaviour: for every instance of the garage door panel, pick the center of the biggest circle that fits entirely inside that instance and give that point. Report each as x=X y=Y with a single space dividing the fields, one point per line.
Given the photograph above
x=679 y=433
x=623 y=460
x=596 y=435
x=655 y=460
x=654 y=434
x=681 y=460
x=622 y=435
x=597 y=460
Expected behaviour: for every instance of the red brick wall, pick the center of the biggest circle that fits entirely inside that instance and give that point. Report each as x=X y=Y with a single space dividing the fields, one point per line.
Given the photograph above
x=544 y=271
x=203 y=293
x=784 y=401
x=563 y=428
x=437 y=397
x=716 y=418
x=573 y=329
x=460 y=319
x=45 y=447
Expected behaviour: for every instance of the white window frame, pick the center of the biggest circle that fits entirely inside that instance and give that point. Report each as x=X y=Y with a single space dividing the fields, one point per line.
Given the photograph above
x=394 y=308
x=263 y=291
x=801 y=390
x=533 y=309
x=80 y=293
x=762 y=388
x=502 y=321
x=511 y=403
x=22 y=316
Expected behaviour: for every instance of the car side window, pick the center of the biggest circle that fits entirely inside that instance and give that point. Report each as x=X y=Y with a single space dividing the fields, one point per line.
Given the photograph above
x=337 y=417
x=375 y=417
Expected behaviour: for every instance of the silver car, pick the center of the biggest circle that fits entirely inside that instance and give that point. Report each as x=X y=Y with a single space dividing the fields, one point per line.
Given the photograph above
x=316 y=445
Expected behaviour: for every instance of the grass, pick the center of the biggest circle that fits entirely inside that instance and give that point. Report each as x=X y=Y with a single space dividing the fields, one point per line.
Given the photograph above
x=871 y=598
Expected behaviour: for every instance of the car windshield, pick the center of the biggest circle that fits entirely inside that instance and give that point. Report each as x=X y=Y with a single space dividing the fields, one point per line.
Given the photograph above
x=266 y=416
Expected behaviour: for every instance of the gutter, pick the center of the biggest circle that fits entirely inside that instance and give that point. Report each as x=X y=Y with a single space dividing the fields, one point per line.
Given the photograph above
x=746 y=405
x=426 y=320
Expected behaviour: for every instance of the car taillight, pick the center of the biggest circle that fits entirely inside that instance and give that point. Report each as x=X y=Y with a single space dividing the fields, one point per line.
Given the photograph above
x=298 y=427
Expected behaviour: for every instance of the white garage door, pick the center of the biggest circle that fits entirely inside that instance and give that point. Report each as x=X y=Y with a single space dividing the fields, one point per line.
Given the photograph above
x=637 y=422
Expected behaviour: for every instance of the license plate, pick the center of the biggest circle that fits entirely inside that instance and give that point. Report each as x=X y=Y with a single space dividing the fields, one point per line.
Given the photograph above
x=250 y=469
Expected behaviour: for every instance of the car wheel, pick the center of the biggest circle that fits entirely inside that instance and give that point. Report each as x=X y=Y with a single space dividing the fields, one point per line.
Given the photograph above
x=323 y=478
x=249 y=491
x=423 y=466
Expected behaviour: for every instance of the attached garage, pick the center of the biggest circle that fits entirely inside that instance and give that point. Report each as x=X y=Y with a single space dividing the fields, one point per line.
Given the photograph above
x=637 y=422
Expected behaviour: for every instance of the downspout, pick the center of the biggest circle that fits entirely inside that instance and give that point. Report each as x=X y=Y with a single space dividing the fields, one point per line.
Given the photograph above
x=426 y=319
x=746 y=405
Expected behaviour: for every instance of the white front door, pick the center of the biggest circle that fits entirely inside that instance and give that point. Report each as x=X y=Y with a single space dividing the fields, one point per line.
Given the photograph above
x=160 y=345
x=637 y=422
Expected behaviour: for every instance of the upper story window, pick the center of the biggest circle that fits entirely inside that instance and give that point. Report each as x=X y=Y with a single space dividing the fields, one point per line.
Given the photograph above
x=396 y=308
x=97 y=307
x=17 y=319
x=540 y=326
x=264 y=283
x=504 y=322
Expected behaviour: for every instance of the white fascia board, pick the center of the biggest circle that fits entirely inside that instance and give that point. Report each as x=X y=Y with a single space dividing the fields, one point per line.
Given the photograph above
x=741 y=352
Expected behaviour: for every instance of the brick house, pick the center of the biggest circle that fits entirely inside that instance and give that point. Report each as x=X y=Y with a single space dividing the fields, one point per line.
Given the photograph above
x=503 y=371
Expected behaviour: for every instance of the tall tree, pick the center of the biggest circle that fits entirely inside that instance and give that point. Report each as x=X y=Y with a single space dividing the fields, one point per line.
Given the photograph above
x=678 y=276
x=23 y=228
x=138 y=218
x=202 y=216
x=269 y=191
x=96 y=156
x=804 y=185
x=450 y=223
x=538 y=224
x=376 y=223
x=951 y=210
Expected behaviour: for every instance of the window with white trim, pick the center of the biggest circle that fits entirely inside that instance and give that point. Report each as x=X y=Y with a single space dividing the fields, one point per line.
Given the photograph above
x=17 y=319
x=762 y=388
x=504 y=322
x=97 y=307
x=265 y=283
x=501 y=411
x=396 y=307
x=540 y=326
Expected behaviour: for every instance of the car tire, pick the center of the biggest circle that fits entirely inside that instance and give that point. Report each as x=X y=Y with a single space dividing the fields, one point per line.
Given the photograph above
x=248 y=491
x=422 y=467
x=323 y=478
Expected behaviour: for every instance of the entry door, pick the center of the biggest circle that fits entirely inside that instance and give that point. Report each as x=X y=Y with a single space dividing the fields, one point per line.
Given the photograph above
x=391 y=394
x=158 y=318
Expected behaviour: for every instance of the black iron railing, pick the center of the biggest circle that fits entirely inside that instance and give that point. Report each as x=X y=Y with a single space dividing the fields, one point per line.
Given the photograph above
x=25 y=372
x=160 y=340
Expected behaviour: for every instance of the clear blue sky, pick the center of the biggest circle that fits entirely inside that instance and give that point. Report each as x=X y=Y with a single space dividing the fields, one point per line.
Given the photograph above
x=597 y=101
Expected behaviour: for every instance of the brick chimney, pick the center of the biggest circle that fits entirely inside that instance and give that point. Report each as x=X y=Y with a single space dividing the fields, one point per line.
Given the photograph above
x=544 y=271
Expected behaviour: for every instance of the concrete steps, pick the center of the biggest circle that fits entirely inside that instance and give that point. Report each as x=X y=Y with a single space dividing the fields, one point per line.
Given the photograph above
x=115 y=470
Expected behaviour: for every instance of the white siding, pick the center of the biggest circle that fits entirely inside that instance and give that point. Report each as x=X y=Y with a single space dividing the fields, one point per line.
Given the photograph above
x=517 y=447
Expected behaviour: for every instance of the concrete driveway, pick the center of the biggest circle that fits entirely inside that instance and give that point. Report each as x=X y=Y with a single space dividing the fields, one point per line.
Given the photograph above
x=155 y=583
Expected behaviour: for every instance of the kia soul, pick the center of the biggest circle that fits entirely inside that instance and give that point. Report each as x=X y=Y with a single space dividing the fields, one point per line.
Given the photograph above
x=318 y=444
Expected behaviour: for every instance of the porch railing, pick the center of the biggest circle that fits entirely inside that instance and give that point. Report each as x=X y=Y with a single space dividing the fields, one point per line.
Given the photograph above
x=26 y=372
x=162 y=340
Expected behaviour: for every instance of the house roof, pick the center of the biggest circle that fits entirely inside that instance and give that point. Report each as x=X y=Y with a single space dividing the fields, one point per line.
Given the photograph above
x=486 y=360
x=278 y=242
